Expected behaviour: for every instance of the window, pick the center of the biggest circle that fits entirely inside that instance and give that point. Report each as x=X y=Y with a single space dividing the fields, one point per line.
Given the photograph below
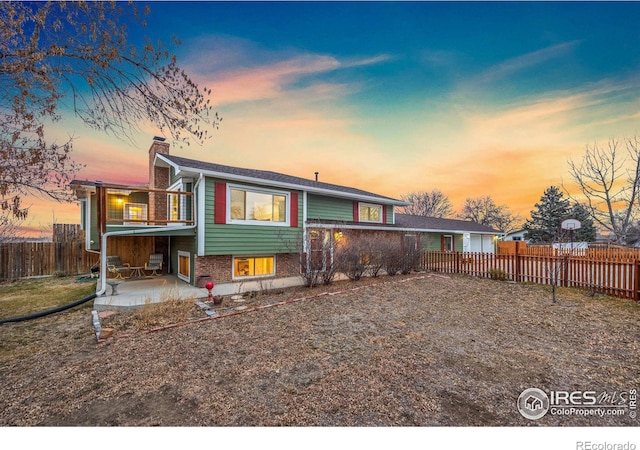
x=180 y=206
x=135 y=213
x=370 y=213
x=254 y=266
x=257 y=206
x=174 y=207
x=447 y=243
x=184 y=266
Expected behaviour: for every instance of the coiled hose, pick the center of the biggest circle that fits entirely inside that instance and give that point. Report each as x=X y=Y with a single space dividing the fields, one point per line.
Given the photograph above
x=49 y=311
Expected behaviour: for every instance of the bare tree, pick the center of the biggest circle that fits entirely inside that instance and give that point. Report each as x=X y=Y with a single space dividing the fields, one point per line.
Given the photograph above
x=483 y=210
x=80 y=56
x=428 y=203
x=609 y=179
x=10 y=228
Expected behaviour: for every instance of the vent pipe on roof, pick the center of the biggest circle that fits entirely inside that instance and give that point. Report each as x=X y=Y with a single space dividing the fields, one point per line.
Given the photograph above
x=316 y=175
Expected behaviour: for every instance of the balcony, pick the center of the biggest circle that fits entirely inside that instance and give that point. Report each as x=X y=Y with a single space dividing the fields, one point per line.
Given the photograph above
x=119 y=206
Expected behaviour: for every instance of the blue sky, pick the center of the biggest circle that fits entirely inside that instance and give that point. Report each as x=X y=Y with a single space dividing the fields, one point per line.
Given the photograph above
x=471 y=98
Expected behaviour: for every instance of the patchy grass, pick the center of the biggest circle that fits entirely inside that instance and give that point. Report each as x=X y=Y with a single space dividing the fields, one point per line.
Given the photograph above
x=421 y=350
x=24 y=297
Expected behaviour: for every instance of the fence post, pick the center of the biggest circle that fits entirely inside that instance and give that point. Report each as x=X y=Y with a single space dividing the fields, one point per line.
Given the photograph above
x=517 y=263
x=636 y=280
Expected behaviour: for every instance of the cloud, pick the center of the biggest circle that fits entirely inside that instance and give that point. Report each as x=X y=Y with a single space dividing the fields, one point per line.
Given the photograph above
x=513 y=151
x=520 y=63
x=240 y=71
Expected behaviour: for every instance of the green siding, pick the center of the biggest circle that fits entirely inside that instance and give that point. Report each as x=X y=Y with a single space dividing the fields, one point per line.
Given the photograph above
x=329 y=208
x=389 y=214
x=234 y=239
x=93 y=214
x=433 y=241
x=172 y=175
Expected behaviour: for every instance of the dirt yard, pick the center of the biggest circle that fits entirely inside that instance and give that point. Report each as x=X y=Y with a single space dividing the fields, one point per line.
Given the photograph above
x=420 y=350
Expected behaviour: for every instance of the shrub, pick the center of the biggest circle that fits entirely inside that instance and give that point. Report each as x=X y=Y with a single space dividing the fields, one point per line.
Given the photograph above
x=498 y=274
x=351 y=263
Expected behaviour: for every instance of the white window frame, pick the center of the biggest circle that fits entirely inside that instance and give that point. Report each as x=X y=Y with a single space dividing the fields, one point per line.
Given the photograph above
x=183 y=277
x=285 y=194
x=126 y=218
x=453 y=242
x=251 y=277
x=173 y=200
x=370 y=205
x=180 y=186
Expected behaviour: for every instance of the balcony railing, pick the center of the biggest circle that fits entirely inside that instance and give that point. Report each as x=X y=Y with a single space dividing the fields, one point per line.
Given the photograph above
x=140 y=207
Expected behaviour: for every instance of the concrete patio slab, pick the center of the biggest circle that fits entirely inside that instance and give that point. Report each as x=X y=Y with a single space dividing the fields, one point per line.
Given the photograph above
x=135 y=293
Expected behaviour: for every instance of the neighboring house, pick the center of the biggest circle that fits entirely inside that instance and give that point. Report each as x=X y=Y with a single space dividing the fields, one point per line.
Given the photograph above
x=517 y=235
x=445 y=235
x=233 y=225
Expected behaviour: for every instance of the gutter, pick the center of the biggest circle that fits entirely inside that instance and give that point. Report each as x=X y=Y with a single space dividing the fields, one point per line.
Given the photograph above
x=390 y=227
x=103 y=242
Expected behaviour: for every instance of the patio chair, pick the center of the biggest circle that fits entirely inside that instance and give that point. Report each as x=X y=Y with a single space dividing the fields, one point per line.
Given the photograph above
x=115 y=266
x=154 y=264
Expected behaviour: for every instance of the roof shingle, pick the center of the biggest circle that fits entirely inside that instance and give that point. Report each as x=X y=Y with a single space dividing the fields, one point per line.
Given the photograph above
x=267 y=175
x=436 y=223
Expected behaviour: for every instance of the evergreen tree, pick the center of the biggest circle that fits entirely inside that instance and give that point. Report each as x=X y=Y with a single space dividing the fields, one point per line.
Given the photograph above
x=545 y=225
x=546 y=219
x=587 y=231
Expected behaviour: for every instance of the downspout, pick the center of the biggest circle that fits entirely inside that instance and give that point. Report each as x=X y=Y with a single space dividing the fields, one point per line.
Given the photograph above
x=103 y=243
x=305 y=244
x=304 y=221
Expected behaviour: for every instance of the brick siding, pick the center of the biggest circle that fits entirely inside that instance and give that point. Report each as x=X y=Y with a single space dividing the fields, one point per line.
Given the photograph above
x=219 y=267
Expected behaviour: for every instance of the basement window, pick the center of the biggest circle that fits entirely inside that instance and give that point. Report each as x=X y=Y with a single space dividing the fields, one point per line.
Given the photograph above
x=253 y=266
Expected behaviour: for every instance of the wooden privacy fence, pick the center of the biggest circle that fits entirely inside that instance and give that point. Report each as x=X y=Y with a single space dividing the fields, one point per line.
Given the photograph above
x=618 y=278
x=28 y=259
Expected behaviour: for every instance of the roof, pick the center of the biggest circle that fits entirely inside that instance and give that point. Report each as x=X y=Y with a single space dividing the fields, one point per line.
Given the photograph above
x=437 y=223
x=408 y=222
x=273 y=179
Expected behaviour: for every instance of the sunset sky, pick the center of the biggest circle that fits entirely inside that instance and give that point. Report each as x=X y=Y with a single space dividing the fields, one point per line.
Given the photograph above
x=471 y=98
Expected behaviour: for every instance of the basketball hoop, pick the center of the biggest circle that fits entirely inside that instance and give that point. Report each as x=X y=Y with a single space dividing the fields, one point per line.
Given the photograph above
x=571 y=224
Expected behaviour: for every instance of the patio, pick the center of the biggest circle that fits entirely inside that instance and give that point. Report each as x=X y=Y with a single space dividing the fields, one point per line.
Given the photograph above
x=132 y=293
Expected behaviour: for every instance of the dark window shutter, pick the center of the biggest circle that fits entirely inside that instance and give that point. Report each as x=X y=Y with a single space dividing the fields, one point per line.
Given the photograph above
x=220 y=203
x=356 y=212
x=293 y=213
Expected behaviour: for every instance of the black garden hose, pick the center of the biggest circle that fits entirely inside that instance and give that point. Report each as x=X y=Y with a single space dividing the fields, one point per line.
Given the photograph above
x=49 y=311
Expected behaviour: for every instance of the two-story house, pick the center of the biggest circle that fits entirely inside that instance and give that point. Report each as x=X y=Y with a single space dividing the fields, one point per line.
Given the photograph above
x=233 y=224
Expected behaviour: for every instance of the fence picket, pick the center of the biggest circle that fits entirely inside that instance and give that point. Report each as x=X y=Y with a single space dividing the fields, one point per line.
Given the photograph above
x=28 y=259
x=612 y=272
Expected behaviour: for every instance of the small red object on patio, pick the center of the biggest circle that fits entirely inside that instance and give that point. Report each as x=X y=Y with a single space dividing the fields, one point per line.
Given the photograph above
x=209 y=286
